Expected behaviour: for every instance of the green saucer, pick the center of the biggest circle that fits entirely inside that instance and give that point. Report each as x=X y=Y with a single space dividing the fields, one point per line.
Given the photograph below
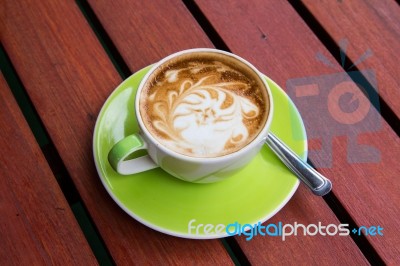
x=168 y=204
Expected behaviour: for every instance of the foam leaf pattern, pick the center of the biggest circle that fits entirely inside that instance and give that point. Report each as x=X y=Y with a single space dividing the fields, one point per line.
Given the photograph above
x=202 y=117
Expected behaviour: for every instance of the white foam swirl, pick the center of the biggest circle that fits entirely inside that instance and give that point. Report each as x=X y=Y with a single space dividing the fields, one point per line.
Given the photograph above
x=203 y=118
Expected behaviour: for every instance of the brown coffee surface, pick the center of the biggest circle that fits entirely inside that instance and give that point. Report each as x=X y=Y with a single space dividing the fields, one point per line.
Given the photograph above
x=204 y=104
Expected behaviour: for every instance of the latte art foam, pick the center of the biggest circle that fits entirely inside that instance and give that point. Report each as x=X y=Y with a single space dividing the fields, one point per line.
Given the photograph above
x=202 y=107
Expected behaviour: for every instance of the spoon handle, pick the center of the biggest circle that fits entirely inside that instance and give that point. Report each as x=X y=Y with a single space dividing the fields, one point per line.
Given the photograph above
x=318 y=184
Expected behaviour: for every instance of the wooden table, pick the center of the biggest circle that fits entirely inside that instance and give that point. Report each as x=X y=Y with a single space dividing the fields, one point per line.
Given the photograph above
x=60 y=61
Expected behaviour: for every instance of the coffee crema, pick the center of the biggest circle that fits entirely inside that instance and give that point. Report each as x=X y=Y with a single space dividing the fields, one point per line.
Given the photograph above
x=204 y=104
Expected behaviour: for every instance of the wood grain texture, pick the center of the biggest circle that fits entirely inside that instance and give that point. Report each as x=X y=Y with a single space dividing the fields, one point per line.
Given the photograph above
x=36 y=224
x=273 y=36
x=367 y=25
x=68 y=76
x=304 y=208
x=146 y=32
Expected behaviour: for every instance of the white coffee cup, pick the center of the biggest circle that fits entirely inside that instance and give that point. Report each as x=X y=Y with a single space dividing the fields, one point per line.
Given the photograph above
x=188 y=168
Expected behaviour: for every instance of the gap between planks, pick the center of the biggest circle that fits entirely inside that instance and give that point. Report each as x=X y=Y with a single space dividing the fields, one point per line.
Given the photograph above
x=54 y=161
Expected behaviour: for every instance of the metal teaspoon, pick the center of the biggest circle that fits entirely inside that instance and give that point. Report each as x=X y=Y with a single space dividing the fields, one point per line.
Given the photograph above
x=318 y=184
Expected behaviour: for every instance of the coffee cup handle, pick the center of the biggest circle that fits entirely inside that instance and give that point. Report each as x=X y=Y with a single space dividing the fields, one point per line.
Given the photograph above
x=125 y=148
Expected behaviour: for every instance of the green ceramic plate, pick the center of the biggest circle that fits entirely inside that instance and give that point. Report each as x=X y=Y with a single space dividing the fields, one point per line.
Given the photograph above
x=167 y=204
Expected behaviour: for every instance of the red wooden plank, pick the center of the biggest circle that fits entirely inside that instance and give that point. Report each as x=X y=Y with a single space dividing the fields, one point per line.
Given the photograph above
x=68 y=76
x=36 y=224
x=367 y=25
x=274 y=37
x=146 y=32
x=117 y=19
